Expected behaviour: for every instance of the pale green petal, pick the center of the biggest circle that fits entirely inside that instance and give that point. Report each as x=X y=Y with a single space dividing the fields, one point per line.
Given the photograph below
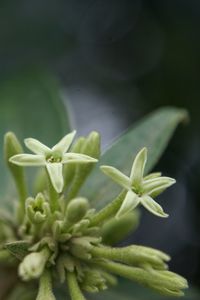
x=157 y=191
x=36 y=146
x=117 y=176
x=153 y=175
x=77 y=158
x=64 y=144
x=28 y=160
x=56 y=176
x=150 y=185
x=153 y=206
x=137 y=170
x=130 y=202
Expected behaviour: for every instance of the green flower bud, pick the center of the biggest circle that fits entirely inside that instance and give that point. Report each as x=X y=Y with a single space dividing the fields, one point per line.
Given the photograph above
x=80 y=226
x=92 y=145
x=76 y=210
x=69 y=169
x=13 y=147
x=58 y=233
x=167 y=283
x=89 y=146
x=81 y=246
x=93 y=281
x=133 y=255
x=33 y=264
x=38 y=209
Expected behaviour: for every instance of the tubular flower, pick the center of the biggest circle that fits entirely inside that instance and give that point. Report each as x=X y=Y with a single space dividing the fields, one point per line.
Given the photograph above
x=140 y=189
x=52 y=158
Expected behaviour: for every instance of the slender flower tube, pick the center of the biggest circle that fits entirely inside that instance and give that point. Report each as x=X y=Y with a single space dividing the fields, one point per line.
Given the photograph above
x=140 y=189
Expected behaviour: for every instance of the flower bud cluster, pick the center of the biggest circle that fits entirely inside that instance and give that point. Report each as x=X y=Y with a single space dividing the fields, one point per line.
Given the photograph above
x=60 y=237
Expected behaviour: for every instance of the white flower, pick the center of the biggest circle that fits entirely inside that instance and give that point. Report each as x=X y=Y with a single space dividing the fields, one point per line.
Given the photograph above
x=140 y=189
x=52 y=158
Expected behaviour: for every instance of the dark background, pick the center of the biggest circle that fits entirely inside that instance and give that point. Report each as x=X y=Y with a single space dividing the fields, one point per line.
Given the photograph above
x=116 y=61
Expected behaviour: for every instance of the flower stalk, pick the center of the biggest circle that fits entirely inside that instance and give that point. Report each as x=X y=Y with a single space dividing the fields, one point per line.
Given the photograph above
x=45 y=287
x=108 y=211
x=74 y=289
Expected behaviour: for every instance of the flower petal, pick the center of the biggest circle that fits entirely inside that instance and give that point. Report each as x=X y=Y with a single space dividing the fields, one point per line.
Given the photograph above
x=130 y=202
x=117 y=176
x=77 y=158
x=28 y=160
x=153 y=206
x=153 y=175
x=56 y=176
x=64 y=144
x=150 y=185
x=137 y=170
x=157 y=191
x=36 y=146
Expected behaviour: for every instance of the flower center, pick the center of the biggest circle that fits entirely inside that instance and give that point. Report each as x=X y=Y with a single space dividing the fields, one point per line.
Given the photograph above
x=54 y=158
x=137 y=190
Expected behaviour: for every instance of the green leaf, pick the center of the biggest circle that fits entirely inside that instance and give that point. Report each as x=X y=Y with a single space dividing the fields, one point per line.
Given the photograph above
x=31 y=105
x=19 y=249
x=153 y=132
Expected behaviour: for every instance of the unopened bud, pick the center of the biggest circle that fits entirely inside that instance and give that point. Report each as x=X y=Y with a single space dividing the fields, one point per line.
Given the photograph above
x=33 y=264
x=81 y=246
x=93 y=281
x=69 y=169
x=92 y=145
x=37 y=209
x=76 y=210
x=12 y=147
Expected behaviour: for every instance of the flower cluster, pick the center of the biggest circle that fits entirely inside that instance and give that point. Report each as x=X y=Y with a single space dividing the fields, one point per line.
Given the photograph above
x=57 y=237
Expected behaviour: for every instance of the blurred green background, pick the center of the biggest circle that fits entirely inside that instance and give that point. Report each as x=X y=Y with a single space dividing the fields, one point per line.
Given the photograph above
x=114 y=62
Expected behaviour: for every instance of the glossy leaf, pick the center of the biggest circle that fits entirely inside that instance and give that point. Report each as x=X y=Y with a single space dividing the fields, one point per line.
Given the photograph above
x=31 y=106
x=153 y=132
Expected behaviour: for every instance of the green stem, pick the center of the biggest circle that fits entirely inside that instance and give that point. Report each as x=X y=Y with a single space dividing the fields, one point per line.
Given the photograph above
x=45 y=287
x=74 y=289
x=108 y=211
x=36 y=230
x=53 y=195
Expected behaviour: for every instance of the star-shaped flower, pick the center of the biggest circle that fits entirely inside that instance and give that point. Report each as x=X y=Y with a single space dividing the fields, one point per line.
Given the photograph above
x=52 y=158
x=140 y=189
